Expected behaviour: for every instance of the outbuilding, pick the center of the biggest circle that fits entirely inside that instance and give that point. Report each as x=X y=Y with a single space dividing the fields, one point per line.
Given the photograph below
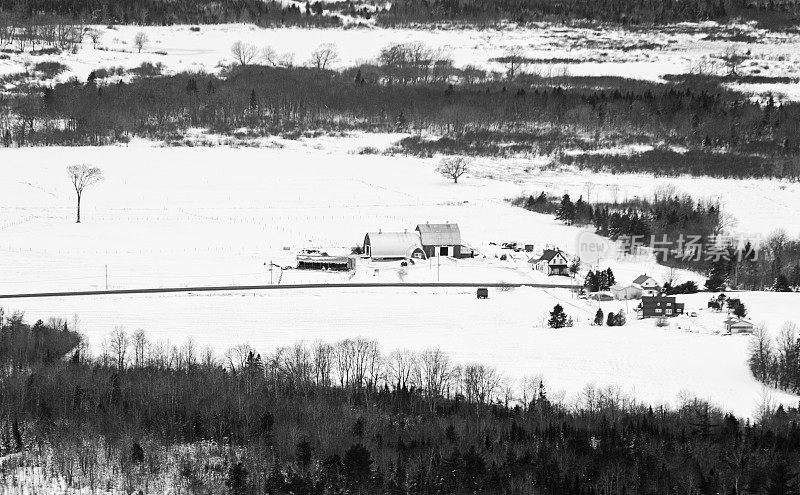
x=440 y=239
x=393 y=245
x=738 y=325
x=625 y=292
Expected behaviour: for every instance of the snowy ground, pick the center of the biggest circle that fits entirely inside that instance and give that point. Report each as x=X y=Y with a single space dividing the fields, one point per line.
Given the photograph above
x=208 y=216
x=643 y=54
x=655 y=365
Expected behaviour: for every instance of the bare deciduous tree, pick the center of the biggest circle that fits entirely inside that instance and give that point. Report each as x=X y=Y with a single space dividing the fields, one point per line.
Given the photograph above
x=513 y=59
x=119 y=345
x=83 y=176
x=244 y=53
x=94 y=35
x=324 y=55
x=454 y=167
x=270 y=56
x=140 y=40
x=733 y=58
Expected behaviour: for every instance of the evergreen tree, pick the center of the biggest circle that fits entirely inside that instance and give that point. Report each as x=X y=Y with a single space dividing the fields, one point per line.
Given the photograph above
x=566 y=210
x=718 y=277
x=610 y=280
x=598 y=317
x=781 y=284
x=558 y=318
x=357 y=462
x=237 y=479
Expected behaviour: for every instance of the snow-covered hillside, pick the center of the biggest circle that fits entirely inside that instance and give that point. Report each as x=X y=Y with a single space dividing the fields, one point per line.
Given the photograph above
x=553 y=50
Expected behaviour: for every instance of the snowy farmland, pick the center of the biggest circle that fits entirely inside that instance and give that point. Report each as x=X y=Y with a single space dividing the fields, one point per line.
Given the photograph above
x=551 y=49
x=210 y=216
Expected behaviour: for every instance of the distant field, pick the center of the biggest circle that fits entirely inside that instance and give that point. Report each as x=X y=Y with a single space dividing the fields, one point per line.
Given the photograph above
x=552 y=50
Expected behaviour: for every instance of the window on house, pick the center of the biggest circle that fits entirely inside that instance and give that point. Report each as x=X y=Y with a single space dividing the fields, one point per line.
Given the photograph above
x=658 y=310
x=669 y=311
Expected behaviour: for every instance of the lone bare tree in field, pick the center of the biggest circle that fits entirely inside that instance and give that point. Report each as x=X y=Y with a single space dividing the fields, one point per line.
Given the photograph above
x=83 y=176
x=454 y=167
x=244 y=53
x=140 y=40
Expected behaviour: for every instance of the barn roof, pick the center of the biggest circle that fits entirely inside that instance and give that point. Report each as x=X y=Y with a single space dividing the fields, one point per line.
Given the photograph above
x=392 y=244
x=439 y=234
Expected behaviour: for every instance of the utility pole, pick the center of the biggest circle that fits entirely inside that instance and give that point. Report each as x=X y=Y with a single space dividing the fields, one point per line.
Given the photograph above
x=106 y=276
x=438 y=263
x=270 y=272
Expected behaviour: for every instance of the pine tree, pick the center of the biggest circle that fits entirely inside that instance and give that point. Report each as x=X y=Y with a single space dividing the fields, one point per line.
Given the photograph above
x=610 y=280
x=781 y=284
x=253 y=100
x=237 y=479
x=566 y=210
x=558 y=318
x=598 y=317
x=718 y=277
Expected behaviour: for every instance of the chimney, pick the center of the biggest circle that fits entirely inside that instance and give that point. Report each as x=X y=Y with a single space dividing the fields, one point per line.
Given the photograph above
x=380 y=231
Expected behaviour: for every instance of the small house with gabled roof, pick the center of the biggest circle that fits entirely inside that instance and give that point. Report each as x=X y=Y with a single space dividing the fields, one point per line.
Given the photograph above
x=552 y=262
x=648 y=285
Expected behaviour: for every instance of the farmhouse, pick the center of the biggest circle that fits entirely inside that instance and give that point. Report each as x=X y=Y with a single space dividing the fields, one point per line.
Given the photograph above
x=393 y=245
x=738 y=325
x=648 y=286
x=625 y=292
x=658 y=306
x=552 y=262
x=440 y=239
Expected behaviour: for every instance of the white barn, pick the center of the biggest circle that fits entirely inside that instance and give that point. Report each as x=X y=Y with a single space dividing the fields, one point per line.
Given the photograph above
x=393 y=245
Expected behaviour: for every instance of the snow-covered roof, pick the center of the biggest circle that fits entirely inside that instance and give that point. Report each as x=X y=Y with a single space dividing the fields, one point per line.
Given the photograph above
x=439 y=234
x=392 y=244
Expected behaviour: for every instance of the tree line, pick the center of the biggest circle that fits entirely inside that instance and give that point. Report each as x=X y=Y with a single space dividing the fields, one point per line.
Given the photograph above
x=134 y=417
x=772 y=13
x=475 y=117
x=776 y=361
x=24 y=13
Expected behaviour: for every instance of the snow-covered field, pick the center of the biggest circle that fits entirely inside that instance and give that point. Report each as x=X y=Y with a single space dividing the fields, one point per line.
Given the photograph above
x=655 y=365
x=209 y=216
x=642 y=54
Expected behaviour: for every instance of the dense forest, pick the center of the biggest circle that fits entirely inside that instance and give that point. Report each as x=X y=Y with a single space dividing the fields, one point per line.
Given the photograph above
x=778 y=13
x=344 y=418
x=408 y=90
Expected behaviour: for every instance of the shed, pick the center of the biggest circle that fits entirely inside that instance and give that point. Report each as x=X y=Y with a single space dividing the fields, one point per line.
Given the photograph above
x=738 y=325
x=440 y=239
x=393 y=245
x=624 y=292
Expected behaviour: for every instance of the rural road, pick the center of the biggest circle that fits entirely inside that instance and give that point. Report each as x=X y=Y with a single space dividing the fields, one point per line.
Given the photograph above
x=225 y=288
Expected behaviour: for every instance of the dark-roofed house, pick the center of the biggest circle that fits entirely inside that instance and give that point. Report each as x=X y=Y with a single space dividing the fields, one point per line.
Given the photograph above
x=649 y=286
x=552 y=262
x=393 y=245
x=660 y=306
x=440 y=239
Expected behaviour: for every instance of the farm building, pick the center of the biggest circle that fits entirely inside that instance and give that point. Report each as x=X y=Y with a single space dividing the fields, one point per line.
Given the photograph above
x=552 y=262
x=393 y=245
x=648 y=286
x=624 y=292
x=655 y=307
x=738 y=325
x=322 y=261
x=440 y=239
